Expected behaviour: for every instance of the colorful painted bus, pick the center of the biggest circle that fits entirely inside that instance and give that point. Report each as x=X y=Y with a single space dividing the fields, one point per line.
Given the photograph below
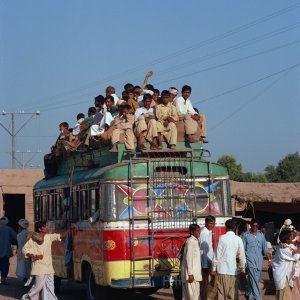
x=131 y=211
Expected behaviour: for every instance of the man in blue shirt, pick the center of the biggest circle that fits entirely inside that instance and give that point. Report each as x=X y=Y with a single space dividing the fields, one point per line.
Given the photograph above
x=255 y=249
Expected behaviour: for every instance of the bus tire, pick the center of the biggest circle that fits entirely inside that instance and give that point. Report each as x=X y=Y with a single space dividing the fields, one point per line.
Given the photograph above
x=90 y=283
x=57 y=284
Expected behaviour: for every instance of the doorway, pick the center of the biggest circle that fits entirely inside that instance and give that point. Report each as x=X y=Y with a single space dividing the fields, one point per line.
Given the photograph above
x=14 y=209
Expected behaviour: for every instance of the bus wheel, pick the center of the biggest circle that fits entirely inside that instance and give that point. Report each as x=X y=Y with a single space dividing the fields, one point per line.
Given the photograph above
x=90 y=284
x=57 y=284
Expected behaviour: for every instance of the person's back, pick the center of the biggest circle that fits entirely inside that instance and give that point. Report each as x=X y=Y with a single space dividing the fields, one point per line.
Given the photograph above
x=229 y=248
x=283 y=265
x=7 y=238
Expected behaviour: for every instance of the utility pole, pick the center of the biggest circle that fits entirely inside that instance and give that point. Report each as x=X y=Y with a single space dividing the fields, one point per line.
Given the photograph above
x=22 y=163
x=13 y=133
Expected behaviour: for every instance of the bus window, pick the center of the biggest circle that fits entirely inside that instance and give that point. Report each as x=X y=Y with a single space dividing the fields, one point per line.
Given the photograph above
x=54 y=197
x=59 y=205
x=84 y=211
x=108 y=202
x=43 y=207
x=74 y=204
x=49 y=206
x=216 y=198
x=227 y=199
x=37 y=207
x=202 y=199
x=92 y=202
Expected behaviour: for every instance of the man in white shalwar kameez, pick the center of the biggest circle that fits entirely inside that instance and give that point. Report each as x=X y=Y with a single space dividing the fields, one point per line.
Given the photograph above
x=191 y=266
x=42 y=268
x=283 y=265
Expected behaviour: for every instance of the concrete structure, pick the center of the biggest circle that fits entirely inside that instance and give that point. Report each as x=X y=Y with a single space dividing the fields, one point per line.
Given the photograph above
x=16 y=199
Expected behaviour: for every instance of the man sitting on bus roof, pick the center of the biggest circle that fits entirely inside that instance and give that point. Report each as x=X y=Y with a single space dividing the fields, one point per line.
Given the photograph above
x=123 y=123
x=63 y=141
x=146 y=125
x=97 y=128
x=111 y=91
x=166 y=115
x=187 y=113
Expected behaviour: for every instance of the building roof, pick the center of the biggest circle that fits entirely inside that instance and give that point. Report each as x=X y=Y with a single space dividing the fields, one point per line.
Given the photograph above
x=265 y=192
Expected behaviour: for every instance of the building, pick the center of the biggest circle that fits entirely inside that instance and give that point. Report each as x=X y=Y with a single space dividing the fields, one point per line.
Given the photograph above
x=271 y=203
x=16 y=199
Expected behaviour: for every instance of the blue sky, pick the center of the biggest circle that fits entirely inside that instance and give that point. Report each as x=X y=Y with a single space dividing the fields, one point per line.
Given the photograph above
x=240 y=57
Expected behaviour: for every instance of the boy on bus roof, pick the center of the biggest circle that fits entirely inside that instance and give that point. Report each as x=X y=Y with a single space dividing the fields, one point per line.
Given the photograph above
x=124 y=123
x=146 y=125
x=166 y=115
x=190 y=117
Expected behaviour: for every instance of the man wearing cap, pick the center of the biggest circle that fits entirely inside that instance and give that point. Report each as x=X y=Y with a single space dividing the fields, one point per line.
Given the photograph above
x=23 y=264
x=38 y=249
x=173 y=94
x=287 y=225
x=7 y=237
x=190 y=117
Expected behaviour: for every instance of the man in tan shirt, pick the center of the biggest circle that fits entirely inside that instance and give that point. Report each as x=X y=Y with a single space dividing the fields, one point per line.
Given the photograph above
x=146 y=125
x=166 y=115
x=41 y=268
x=124 y=123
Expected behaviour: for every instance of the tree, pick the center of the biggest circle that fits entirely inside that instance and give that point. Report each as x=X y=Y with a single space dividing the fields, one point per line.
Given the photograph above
x=253 y=177
x=271 y=174
x=288 y=168
x=234 y=169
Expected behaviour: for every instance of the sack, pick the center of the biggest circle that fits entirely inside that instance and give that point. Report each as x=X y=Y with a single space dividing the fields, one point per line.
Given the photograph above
x=180 y=254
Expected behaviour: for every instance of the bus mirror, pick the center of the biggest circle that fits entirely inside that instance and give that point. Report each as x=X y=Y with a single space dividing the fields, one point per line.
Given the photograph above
x=94 y=217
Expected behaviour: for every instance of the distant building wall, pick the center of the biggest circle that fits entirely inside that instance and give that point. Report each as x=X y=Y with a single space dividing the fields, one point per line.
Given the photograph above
x=19 y=182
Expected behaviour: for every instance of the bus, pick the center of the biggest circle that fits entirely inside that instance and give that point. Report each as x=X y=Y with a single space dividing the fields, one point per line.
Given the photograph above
x=131 y=212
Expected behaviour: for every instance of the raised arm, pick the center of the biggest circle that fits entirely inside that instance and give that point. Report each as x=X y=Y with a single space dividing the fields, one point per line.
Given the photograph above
x=148 y=75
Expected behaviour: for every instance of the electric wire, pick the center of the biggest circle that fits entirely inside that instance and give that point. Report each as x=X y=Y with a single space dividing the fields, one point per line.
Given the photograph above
x=177 y=53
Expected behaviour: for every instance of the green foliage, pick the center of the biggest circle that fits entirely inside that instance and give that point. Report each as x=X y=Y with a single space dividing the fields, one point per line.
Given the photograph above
x=271 y=174
x=254 y=177
x=287 y=170
x=234 y=169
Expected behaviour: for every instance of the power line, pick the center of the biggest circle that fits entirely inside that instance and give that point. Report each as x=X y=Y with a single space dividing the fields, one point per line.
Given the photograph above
x=248 y=84
x=52 y=106
x=179 y=52
x=231 y=62
x=241 y=107
x=231 y=48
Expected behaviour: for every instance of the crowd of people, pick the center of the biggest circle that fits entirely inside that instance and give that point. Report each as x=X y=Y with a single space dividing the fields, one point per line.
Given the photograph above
x=141 y=114
x=208 y=274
